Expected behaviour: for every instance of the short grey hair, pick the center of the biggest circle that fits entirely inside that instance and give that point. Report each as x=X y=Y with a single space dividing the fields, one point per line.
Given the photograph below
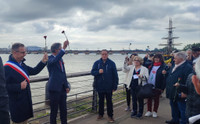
x=181 y=55
x=55 y=47
x=16 y=46
x=104 y=50
x=197 y=68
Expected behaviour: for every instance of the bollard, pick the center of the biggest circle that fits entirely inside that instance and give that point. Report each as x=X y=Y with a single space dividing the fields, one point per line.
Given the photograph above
x=94 y=101
x=47 y=102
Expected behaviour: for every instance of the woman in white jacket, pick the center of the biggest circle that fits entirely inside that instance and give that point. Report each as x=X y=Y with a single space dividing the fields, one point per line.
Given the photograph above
x=136 y=74
x=128 y=61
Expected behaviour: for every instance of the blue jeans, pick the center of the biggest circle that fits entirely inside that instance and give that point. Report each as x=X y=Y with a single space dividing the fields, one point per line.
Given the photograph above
x=178 y=111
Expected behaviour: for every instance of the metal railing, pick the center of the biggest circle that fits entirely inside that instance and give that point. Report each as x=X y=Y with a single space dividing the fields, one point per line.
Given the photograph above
x=77 y=103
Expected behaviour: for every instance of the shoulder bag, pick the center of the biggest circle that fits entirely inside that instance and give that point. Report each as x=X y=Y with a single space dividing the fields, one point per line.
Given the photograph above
x=145 y=91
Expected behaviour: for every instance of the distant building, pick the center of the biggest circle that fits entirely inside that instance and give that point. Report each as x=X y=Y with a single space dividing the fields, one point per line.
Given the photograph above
x=4 y=50
x=33 y=48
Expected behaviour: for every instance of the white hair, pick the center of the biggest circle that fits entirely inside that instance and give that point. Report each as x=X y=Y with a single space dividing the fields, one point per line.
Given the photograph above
x=197 y=68
x=181 y=55
x=189 y=50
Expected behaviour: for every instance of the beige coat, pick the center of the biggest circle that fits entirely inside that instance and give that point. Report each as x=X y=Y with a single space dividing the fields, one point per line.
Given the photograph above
x=129 y=69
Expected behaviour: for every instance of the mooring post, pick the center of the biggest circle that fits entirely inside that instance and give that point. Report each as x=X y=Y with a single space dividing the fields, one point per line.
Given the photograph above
x=94 y=100
x=47 y=101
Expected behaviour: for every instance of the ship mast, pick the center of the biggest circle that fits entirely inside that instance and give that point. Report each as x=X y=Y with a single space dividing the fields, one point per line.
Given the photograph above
x=170 y=39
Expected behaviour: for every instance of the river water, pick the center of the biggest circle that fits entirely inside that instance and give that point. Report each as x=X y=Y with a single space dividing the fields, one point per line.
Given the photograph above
x=73 y=63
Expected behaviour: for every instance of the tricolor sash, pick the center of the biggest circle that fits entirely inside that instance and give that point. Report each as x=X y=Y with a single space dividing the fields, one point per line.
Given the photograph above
x=18 y=69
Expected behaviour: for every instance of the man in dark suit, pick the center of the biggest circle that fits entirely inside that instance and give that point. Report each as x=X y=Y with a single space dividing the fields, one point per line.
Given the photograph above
x=18 y=84
x=58 y=84
x=4 y=114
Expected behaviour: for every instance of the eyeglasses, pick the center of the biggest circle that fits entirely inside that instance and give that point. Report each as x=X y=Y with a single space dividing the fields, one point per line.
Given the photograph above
x=104 y=54
x=136 y=60
x=24 y=52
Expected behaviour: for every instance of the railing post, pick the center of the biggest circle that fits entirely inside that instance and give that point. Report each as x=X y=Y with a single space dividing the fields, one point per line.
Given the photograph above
x=47 y=102
x=76 y=103
x=94 y=100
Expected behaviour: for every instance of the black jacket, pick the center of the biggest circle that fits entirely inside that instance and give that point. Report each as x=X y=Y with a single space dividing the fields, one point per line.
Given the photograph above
x=3 y=91
x=160 y=78
x=181 y=73
x=193 y=99
x=147 y=63
x=107 y=81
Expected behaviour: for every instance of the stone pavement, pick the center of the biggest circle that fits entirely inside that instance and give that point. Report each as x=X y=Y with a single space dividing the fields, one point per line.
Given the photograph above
x=123 y=117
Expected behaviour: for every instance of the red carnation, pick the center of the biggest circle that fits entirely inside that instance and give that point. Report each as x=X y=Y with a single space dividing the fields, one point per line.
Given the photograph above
x=45 y=37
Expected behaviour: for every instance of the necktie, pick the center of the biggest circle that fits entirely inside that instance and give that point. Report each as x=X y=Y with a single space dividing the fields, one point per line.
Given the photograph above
x=61 y=66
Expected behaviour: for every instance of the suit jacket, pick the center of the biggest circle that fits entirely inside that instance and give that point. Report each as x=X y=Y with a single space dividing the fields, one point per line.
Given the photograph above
x=20 y=102
x=181 y=73
x=57 y=74
x=3 y=91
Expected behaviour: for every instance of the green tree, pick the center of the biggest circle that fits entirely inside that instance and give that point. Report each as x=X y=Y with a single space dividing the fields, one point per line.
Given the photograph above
x=189 y=46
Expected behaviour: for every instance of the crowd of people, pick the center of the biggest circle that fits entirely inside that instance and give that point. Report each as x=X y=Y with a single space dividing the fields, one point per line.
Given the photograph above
x=180 y=78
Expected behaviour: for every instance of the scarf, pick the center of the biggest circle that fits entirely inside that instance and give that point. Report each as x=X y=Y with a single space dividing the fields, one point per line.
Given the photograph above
x=157 y=63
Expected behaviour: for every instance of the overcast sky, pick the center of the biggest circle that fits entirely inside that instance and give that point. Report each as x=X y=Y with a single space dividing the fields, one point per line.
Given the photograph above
x=98 y=24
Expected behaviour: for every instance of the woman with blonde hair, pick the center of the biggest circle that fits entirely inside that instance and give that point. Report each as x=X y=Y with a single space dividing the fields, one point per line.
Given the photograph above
x=136 y=74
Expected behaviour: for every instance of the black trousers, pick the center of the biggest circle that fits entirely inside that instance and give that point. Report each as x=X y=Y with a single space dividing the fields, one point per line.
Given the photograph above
x=58 y=99
x=128 y=95
x=135 y=100
x=109 y=103
x=4 y=117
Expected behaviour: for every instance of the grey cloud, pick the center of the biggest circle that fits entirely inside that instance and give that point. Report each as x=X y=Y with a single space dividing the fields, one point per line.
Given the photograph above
x=194 y=9
x=149 y=12
x=6 y=28
x=137 y=15
x=43 y=27
x=31 y=10
x=137 y=9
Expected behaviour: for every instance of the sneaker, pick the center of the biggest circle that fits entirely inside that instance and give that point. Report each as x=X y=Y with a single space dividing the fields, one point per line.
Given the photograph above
x=154 y=115
x=128 y=109
x=139 y=116
x=99 y=117
x=111 y=120
x=148 y=114
x=133 y=114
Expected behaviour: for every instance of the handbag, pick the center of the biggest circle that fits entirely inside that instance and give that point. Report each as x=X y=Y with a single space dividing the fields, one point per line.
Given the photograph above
x=145 y=91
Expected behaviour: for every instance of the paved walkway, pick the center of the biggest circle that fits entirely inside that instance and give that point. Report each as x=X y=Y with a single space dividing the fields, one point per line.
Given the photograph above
x=123 y=117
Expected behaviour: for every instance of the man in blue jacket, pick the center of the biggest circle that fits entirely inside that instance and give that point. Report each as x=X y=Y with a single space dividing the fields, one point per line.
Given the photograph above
x=178 y=73
x=58 y=84
x=18 y=83
x=4 y=114
x=106 y=81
